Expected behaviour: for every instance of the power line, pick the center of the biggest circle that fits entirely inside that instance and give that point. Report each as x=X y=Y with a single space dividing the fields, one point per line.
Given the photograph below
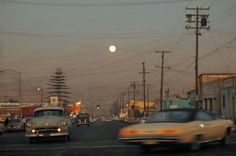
x=93 y=4
x=217 y=49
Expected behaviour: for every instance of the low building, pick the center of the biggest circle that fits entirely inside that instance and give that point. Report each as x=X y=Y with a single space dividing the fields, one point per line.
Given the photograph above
x=217 y=93
x=178 y=103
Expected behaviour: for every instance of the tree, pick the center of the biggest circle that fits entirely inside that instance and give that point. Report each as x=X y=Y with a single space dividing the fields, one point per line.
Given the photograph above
x=57 y=86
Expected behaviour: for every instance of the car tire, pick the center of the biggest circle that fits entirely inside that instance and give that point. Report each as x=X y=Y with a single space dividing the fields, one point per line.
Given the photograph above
x=65 y=138
x=31 y=140
x=225 y=140
x=195 y=145
x=145 y=148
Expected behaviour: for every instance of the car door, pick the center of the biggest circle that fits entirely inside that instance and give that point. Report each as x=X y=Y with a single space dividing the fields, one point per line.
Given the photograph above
x=206 y=122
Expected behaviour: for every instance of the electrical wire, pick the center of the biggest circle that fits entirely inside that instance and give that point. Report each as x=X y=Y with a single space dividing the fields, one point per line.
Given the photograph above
x=93 y=4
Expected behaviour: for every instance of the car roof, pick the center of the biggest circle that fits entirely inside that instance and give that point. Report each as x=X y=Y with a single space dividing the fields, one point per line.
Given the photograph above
x=49 y=107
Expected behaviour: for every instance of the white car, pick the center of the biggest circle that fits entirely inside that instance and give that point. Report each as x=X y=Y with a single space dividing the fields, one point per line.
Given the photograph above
x=191 y=127
x=48 y=122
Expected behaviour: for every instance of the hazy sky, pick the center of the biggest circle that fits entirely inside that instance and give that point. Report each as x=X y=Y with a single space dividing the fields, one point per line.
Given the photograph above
x=36 y=37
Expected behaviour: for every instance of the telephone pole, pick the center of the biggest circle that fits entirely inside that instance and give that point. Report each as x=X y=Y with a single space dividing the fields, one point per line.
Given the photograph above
x=144 y=88
x=134 y=94
x=201 y=19
x=162 y=75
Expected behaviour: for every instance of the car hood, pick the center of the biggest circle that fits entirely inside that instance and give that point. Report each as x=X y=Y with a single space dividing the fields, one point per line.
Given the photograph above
x=46 y=121
x=157 y=126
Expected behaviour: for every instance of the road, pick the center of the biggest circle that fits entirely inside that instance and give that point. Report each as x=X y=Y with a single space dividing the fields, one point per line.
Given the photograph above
x=98 y=140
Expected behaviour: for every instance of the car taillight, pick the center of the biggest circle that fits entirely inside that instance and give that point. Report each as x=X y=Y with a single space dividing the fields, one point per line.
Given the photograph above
x=170 y=131
x=130 y=132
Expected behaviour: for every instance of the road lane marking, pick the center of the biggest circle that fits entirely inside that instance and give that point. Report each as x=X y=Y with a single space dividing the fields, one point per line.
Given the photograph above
x=63 y=148
x=9 y=148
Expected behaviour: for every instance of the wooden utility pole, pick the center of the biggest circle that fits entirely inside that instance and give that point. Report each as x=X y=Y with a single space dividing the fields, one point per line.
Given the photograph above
x=134 y=94
x=202 y=20
x=162 y=76
x=144 y=88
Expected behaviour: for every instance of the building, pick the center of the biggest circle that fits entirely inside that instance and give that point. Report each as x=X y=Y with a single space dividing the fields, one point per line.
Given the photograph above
x=217 y=93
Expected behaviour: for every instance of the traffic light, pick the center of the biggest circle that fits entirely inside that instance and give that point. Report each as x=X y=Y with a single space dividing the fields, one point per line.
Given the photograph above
x=98 y=107
x=204 y=21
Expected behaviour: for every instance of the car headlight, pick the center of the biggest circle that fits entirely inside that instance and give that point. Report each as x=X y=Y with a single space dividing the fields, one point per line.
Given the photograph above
x=29 y=124
x=62 y=123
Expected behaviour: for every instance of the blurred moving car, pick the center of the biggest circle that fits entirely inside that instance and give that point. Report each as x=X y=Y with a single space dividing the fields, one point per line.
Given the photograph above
x=48 y=122
x=82 y=119
x=15 y=125
x=190 y=127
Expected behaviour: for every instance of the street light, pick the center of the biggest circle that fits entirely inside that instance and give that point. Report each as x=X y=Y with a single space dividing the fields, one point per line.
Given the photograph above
x=41 y=95
x=19 y=79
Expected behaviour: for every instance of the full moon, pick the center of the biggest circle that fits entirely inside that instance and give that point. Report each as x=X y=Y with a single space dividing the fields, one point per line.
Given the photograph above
x=112 y=48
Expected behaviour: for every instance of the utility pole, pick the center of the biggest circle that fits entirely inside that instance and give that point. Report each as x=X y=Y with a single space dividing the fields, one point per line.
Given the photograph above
x=134 y=93
x=162 y=75
x=203 y=20
x=148 y=106
x=128 y=104
x=123 y=102
x=144 y=88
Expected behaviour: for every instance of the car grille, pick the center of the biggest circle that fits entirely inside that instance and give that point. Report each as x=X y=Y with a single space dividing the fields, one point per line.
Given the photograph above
x=43 y=130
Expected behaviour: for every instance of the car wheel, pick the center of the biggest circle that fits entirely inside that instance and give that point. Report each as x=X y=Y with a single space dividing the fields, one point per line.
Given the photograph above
x=66 y=138
x=31 y=140
x=196 y=143
x=145 y=148
x=225 y=140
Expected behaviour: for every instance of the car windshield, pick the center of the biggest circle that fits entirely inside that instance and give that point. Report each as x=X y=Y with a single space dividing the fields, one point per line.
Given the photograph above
x=51 y=112
x=16 y=121
x=82 y=116
x=170 y=116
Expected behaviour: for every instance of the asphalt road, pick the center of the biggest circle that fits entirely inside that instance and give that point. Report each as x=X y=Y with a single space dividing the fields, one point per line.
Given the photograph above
x=98 y=140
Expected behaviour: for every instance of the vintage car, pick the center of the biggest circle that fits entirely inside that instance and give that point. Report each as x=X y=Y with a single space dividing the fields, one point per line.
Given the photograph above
x=15 y=125
x=2 y=128
x=190 y=127
x=49 y=122
x=82 y=119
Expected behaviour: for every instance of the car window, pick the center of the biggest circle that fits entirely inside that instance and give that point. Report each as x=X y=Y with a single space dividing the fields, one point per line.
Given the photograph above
x=170 y=116
x=216 y=116
x=82 y=116
x=203 y=116
x=41 y=113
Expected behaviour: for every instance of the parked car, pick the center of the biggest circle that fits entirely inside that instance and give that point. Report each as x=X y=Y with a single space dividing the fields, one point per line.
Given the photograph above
x=48 y=122
x=82 y=119
x=190 y=127
x=2 y=128
x=15 y=125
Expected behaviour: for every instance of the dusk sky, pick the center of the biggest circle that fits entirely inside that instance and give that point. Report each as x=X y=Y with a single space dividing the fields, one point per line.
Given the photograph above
x=38 y=36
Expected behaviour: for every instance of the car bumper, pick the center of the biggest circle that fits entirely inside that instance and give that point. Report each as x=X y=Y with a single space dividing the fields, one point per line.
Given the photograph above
x=82 y=123
x=152 y=140
x=47 y=134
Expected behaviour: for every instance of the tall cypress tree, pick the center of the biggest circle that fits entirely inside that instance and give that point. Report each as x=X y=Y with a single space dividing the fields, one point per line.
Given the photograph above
x=57 y=86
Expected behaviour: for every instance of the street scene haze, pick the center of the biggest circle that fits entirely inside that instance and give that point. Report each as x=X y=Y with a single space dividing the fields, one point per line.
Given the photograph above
x=109 y=75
